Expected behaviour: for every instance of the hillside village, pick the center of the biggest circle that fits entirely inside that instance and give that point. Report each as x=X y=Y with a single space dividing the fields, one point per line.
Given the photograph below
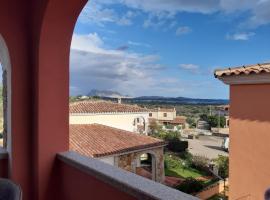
x=134 y=100
x=155 y=143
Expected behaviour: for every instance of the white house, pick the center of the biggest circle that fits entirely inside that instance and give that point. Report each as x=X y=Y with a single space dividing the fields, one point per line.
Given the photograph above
x=122 y=116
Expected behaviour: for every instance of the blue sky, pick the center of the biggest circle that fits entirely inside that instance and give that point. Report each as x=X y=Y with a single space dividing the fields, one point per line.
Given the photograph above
x=166 y=47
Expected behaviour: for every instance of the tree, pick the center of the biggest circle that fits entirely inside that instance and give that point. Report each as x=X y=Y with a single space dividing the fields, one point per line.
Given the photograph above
x=204 y=117
x=200 y=162
x=191 y=122
x=171 y=135
x=154 y=127
x=216 y=120
x=222 y=162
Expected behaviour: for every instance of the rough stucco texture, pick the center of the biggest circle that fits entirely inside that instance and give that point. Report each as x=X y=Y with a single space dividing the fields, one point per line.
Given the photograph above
x=249 y=141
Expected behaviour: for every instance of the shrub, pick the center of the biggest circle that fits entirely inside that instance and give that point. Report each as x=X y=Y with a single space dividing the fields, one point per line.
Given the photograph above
x=1 y=135
x=190 y=186
x=159 y=134
x=166 y=164
x=222 y=163
x=171 y=162
x=170 y=126
x=176 y=145
x=171 y=135
x=200 y=162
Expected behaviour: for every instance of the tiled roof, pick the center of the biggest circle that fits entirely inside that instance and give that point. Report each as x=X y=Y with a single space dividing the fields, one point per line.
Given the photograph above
x=162 y=110
x=246 y=69
x=103 y=107
x=179 y=120
x=97 y=140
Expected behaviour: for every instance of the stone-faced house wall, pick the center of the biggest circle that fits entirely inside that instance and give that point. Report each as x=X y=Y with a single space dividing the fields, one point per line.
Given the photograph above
x=129 y=162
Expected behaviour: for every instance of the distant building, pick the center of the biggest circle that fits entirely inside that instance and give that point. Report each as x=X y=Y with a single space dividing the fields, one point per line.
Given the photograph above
x=203 y=125
x=167 y=117
x=133 y=152
x=122 y=116
x=223 y=110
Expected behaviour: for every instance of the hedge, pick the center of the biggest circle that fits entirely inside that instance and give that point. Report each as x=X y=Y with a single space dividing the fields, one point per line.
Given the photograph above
x=176 y=145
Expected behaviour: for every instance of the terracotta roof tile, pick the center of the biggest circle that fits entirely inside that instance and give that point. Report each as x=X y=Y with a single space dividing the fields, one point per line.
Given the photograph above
x=97 y=140
x=246 y=70
x=103 y=107
x=179 y=120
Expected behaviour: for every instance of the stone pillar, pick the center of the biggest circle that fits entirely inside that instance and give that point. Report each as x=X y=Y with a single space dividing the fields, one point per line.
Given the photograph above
x=159 y=156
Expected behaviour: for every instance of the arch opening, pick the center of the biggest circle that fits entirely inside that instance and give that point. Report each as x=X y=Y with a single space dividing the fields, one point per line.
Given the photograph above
x=5 y=98
x=139 y=124
x=146 y=165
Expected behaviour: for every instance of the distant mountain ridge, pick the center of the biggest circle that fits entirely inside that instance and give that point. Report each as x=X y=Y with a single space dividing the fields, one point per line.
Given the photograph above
x=108 y=94
x=179 y=100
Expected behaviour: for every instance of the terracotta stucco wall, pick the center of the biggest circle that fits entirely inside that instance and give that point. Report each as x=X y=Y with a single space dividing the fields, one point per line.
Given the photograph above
x=250 y=141
x=75 y=184
x=38 y=37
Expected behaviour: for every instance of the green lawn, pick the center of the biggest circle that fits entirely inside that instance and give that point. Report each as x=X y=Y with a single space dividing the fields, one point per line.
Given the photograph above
x=183 y=173
x=175 y=168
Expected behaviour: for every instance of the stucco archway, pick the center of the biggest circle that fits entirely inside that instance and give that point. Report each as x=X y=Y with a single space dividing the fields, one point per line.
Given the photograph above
x=153 y=157
x=139 y=124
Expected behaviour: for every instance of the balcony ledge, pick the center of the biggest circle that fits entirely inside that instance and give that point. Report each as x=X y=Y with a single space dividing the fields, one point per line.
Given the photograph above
x=139 y=187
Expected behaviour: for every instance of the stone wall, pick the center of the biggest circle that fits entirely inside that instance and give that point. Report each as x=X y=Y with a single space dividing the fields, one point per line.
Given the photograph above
x=129 y=162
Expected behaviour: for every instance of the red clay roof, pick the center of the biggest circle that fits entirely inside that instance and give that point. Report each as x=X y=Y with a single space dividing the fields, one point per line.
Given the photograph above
x=103 y=107
x=245 y=69
x=179 y=120
x=97 y=140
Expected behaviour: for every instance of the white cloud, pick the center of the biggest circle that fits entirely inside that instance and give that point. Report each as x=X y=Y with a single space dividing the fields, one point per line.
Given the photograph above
x=183 y=30
x=261 y=14
x=173 y=6
x=139 y=44
x=94 y=66
x=96 y=13
x=240 y=36
x=90 y=42
x=259 y=11
x=191 y=68
x=162 y=12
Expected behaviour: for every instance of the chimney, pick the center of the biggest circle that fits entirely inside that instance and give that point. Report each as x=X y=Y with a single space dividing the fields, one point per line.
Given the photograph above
x=119 y=100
